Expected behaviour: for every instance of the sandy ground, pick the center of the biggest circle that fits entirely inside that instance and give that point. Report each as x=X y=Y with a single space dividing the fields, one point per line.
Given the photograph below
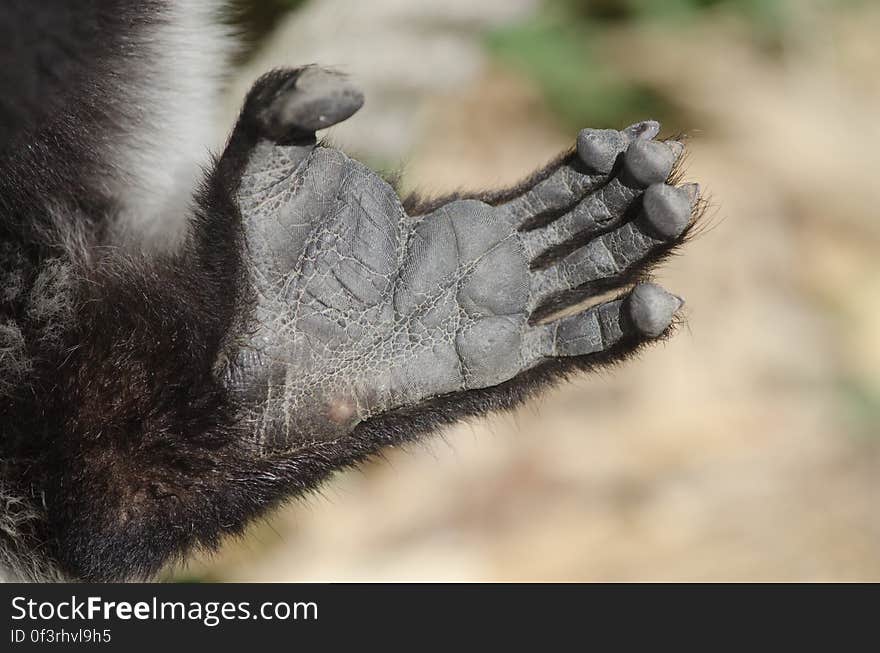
x=742 y=449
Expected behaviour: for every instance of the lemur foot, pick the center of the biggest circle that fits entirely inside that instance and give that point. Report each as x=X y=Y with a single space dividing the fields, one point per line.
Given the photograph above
x=313 y=317
x=363 y=308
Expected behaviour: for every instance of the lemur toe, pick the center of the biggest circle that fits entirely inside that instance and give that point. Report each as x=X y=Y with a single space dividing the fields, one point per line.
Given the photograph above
x=646 y=130
x=606 y=208
x=581 y=174
x=645 y=313
x=599 y=148
x=309 y=99
x=651 y=308
x=668 y=209
x=603 y=242
x=649 y=162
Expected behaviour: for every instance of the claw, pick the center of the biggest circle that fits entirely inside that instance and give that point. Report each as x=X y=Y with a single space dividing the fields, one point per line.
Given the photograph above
x=694 y=191
x=677 y=148
x=645 y=130
x=651 y=308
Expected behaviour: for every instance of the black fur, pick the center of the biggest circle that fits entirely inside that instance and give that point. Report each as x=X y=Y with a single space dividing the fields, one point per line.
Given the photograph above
x=119 y=438
x=64 y=102
x=418 y=204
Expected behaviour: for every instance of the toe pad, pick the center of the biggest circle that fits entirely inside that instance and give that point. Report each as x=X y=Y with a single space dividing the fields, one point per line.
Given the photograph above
x=648 y=162
x=599 y=148
x=667 y=209
x=319 y=99
x=651 y=308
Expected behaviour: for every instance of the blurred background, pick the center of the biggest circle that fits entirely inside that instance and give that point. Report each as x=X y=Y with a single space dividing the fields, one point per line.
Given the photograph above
x=747 y=447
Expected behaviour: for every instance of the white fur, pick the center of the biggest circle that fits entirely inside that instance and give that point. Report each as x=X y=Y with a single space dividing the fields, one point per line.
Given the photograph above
x=162 y=161
x=20 y=558
x=14 y=361
x=159 y=164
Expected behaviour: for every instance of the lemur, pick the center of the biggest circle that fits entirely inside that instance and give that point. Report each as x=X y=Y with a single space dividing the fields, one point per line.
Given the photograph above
x=187 y=341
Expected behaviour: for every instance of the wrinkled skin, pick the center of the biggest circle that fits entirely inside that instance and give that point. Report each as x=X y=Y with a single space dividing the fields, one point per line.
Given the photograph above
x=362 y=308
x=310 y=318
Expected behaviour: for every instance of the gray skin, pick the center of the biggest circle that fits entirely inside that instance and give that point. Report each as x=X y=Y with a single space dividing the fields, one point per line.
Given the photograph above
x=359 y=308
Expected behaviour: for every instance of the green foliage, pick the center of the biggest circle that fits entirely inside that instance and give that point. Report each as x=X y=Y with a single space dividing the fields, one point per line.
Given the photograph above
x=559 y=54
x=764 y=14
x=860 y=402
x=560 y=48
